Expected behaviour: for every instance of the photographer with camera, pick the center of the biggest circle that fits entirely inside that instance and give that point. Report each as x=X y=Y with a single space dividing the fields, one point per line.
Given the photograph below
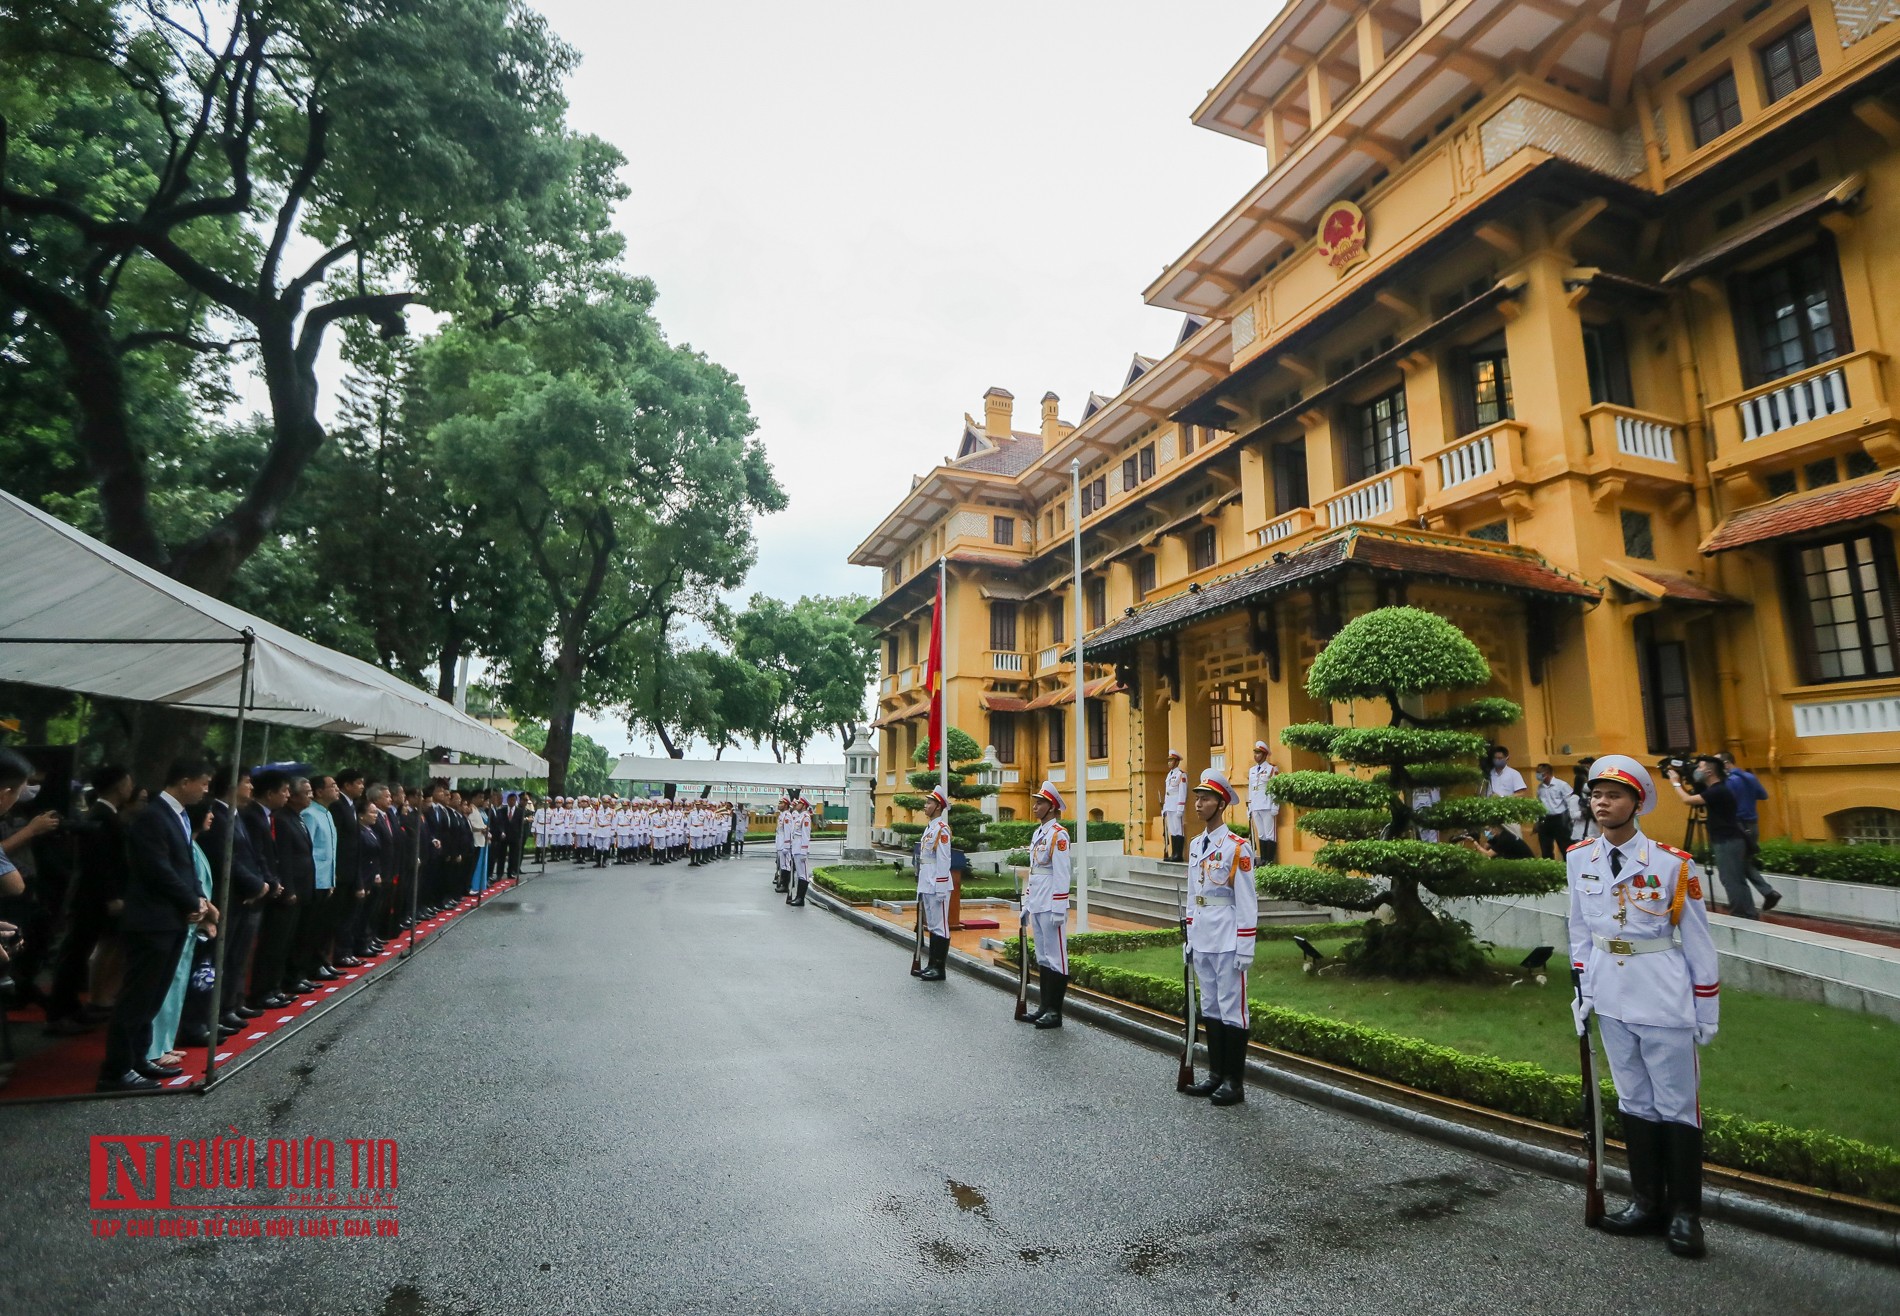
x=1725 y=832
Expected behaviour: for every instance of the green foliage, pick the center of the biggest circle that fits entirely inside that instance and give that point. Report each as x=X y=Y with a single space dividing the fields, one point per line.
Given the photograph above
x=1435 y=774
x=1422 y=861
x=1388 y=746
x=907 y=828
x=1018 y=859
x=1818 y=1159
x=1015 y=831
x=817 y=661
x=1505 y=877
x=1488 y=712
x=1344 y=824
x=964 y=751
x=1440 y=947
x=1875 y=864
x=587 y=766
x=1395 y=651
x=1315 y=737
x=1329 y=790
x=1110 y=943
x=1456 y=811
x=1315 y=886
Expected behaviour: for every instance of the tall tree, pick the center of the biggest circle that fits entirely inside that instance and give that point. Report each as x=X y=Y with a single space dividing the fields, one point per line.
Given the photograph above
x=618 y=467
x=824 y=662
x=288 y=166
x=682 y=694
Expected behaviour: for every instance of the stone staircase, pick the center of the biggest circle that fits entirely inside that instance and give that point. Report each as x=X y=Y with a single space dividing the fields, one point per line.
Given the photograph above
x=1149 y=891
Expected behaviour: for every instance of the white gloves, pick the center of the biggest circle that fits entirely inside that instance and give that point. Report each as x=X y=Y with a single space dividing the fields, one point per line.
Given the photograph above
x=1704 y=1034
x=1187 y=955
x=1580 y=1010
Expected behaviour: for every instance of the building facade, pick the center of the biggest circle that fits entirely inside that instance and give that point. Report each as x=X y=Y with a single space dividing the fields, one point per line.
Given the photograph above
x=1567 y=320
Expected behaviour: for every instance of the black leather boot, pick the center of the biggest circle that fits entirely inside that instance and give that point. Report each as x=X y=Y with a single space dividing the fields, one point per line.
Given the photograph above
x=1647 y=1156
x=939 y=948
x=803 y=887
x=1233 y=1084
x=1051 y=1016
x=1042 y=997
x=1216 y=1060
x=1684 y=1177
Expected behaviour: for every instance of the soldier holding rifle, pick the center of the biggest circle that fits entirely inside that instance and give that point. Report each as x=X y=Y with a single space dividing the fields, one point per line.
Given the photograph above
x=1639 y=936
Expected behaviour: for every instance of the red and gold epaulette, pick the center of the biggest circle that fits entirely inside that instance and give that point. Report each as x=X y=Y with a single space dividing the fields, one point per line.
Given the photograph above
x=1680 y=854
x=1578 y=846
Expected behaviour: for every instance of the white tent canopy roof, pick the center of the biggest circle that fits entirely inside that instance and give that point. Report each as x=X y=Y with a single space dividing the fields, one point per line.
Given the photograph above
x=125 y=631
x=729 y=772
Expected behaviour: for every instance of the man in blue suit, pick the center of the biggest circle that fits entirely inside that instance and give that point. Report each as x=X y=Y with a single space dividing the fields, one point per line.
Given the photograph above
x=163 y=903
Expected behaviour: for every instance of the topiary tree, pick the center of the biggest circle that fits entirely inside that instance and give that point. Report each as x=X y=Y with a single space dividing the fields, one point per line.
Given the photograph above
x=1373 y=859
x=966 y=820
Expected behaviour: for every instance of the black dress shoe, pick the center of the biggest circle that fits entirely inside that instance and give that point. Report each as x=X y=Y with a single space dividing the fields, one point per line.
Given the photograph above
x=152 y=1069
x=327 y=974
x=234 y=1021
x=245 y=1011
x=130 y=1081
x=303 y=988
x=199 y=1038
x=275 y=1001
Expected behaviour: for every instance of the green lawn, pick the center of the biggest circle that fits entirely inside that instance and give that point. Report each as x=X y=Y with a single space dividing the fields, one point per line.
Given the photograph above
x=1810 y=1066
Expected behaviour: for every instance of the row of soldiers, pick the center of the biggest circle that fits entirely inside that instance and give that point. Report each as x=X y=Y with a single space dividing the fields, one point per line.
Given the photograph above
x=609 y=829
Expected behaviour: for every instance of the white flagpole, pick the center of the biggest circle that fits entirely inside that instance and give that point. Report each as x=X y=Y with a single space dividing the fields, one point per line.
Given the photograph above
x=1081 y=713
x=943 y=684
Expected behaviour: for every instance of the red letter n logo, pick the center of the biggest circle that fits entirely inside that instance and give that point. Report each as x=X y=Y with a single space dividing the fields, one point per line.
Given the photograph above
x=131 y=1173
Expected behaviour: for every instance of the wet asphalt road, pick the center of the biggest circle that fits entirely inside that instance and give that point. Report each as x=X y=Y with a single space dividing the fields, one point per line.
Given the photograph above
x=660 y=1090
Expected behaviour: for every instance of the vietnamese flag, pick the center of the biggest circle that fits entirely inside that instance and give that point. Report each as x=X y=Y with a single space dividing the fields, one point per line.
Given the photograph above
x=934 y=742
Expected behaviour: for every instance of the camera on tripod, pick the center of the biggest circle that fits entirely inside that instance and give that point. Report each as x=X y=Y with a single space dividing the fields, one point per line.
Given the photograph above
x=1684 y=768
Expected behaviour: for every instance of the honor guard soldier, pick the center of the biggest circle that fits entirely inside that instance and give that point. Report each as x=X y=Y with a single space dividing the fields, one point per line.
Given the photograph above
x=1639 y=934
x=1263 y=811
x=781 y=856
x=934 y=882
x=1047 y=904
x=1174 y=795
x=798 y=843
x=1222 y=910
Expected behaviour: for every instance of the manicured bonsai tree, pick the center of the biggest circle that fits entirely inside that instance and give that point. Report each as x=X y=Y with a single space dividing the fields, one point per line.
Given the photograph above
x=1373 y=859
x=966 y=820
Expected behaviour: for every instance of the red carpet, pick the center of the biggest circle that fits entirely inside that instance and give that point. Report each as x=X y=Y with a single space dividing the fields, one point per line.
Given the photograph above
x=69 y=1066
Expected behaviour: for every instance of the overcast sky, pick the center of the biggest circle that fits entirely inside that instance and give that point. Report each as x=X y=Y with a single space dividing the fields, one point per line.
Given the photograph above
x=871 y=213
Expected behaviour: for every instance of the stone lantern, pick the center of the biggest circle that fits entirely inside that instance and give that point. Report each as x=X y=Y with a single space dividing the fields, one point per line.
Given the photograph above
x=860 y=775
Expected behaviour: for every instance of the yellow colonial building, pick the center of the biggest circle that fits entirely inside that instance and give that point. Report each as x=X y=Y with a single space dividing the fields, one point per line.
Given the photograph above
x=1571 y=321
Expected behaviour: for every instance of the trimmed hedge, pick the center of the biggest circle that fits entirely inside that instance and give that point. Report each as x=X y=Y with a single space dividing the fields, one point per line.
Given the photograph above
x=1834 y=862
x=1821 y=1160
x=1109 y=943
x=860 y=884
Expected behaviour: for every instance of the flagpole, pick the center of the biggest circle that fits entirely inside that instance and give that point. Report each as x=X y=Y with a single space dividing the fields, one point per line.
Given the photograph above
x=943 y=683
x=1081 y=712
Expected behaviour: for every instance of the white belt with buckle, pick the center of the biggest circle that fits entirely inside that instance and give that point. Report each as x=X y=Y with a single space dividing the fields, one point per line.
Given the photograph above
x=1621 y=946
x=1214 y=899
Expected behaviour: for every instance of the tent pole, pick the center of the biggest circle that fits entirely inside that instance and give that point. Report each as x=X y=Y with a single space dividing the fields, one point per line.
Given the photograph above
x=224 y=871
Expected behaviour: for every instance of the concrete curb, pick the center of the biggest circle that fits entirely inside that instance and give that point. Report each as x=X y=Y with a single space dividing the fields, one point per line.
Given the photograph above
x=1876 y=1241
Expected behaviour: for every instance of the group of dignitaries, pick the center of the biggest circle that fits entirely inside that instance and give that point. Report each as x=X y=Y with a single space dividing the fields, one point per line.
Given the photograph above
x=324 y=869
x=612 y=830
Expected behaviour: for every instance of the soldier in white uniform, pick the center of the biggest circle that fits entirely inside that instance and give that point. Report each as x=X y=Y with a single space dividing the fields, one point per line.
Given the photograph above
x=798 y=842
x=1639 y=935
x=557 y=827
x=1263 y=811
x=1047 y=903
x=1223 y=907
x=1174 y=795
x=781 y=856
x=934 y=883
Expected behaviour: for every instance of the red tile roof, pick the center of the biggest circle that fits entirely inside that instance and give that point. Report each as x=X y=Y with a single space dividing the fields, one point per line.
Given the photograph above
x=996 y=703
x=1797 y=514
x=1665 y=585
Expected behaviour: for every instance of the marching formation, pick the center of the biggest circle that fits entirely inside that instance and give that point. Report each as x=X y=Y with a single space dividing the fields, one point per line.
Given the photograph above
x=623 y=831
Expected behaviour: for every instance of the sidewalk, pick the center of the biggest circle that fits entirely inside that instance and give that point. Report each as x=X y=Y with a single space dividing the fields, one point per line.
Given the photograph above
x=969 y=941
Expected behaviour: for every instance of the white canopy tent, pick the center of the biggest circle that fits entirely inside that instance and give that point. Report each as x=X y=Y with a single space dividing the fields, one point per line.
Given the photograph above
x=77 y=615
x=733 y=777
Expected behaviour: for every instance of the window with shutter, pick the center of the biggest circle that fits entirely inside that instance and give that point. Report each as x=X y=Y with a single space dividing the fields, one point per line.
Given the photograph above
x=1841 y=598
x=1097 y=728
x=1002 y=624
x=1003 y=736
x=1790 y=61
x=1057 y=722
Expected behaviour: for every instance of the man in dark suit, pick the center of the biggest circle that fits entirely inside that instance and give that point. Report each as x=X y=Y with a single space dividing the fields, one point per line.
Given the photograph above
x=270 y=794
x=248 y=887
x=95 y=897
x=517 y=812
x=349 y=901
x=296 y=869
x=163 y=902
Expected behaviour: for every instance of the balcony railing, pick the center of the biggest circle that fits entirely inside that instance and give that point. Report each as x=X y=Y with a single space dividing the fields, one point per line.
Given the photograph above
x=1048 y=658
x=1387 y=498
x=907 y=678
x=1007 y=662
x=1791 y=412
x=1644 y=436
x=1794 y=403
x=1286 y=526
x=1627 y=444
x=887 y=685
